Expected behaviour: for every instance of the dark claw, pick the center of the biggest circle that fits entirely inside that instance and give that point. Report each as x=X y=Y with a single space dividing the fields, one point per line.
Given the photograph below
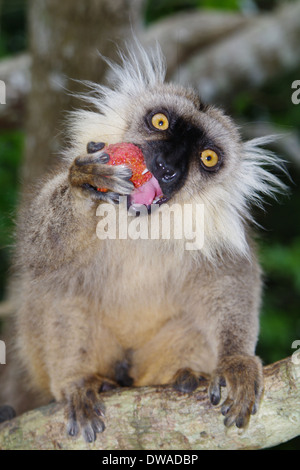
x=101 y=158
x=254 y=409
x=100 y=409
x=215 y=393
x=243 y=376
x=109 y=197
x=112 y=197
x=93 y=147
x=186 y=381
x=225 y=408
x=229 y=421
x=215 y=398
x=105 y=158
x=106 y=386
x=72 y=428
x=222 y=382
x=98 y=425
x=6 y=413
x=89 y=187
x=89 y=433
x=240 y=422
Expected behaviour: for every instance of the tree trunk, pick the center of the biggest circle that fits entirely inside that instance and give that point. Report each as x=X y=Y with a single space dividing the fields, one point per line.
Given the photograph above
x=15 y=72
x=64 y=38
x=162 y=419
x=184 y=34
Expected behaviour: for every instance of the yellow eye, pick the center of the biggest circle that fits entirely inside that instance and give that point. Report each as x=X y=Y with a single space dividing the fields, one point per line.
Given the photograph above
x=160 y=121
x=209 y=158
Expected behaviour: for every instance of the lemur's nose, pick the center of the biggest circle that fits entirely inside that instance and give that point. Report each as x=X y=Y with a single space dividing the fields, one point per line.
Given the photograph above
x=164 y=170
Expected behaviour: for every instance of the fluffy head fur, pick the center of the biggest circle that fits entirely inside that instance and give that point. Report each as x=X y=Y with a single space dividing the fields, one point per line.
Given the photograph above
x=138 y=86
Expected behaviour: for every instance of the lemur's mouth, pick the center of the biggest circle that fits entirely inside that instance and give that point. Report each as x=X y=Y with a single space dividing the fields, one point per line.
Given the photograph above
x=149 y=193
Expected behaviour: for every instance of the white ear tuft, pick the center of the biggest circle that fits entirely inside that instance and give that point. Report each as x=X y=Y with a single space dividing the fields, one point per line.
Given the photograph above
x=259 y=180
x=138 y=72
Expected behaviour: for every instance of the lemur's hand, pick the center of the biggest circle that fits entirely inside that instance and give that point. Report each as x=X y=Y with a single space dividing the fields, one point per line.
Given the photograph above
x=89 y=172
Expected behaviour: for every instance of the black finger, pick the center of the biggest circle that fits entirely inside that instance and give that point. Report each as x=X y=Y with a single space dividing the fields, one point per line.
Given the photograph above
x=101 y=158
x=72 y=428
x=6 y=413
x=93 y=147
x=226 y=407
x=241 y=421
x=186 y=381
x=99 y=409
x=107 y=386
x=229 y=420
x=89 y=433
x=254 y=409
x=215 y=391
x=98 y=425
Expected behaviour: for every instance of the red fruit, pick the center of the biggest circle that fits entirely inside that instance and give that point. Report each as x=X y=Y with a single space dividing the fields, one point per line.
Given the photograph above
x=130 y=155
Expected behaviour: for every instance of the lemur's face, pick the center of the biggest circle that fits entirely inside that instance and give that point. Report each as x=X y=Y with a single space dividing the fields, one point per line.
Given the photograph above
x=186 y=146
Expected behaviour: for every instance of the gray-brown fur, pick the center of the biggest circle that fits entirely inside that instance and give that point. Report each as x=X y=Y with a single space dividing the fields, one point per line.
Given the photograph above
x=94 y=312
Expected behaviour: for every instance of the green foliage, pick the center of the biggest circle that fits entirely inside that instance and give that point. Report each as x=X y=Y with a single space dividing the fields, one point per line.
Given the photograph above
x=280 y=319
x=157 y=10
x=284 y=262
x=11 y=149
x=12 y=26
x=13 y=39
x=272 y=103
x=219 y=5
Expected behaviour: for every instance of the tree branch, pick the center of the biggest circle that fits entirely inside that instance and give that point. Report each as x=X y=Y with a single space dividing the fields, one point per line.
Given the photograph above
x=182 y=34
x=249 y=57
x=216 y=53
x=162 y=419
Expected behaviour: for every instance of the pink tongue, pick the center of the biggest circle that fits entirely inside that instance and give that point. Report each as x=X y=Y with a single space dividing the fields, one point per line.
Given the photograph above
x=147 y=193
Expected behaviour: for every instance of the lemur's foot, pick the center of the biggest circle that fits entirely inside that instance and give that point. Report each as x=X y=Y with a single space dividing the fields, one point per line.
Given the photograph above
x=84 y=410
x=243 y=377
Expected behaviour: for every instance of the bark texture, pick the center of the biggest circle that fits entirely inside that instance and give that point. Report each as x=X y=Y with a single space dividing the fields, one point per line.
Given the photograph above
x=248 y=57
x=162 y=419
x=64 y=39
x=184 y=34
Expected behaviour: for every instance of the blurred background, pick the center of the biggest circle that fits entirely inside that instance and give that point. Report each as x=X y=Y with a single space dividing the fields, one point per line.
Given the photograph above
x=242 y=55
